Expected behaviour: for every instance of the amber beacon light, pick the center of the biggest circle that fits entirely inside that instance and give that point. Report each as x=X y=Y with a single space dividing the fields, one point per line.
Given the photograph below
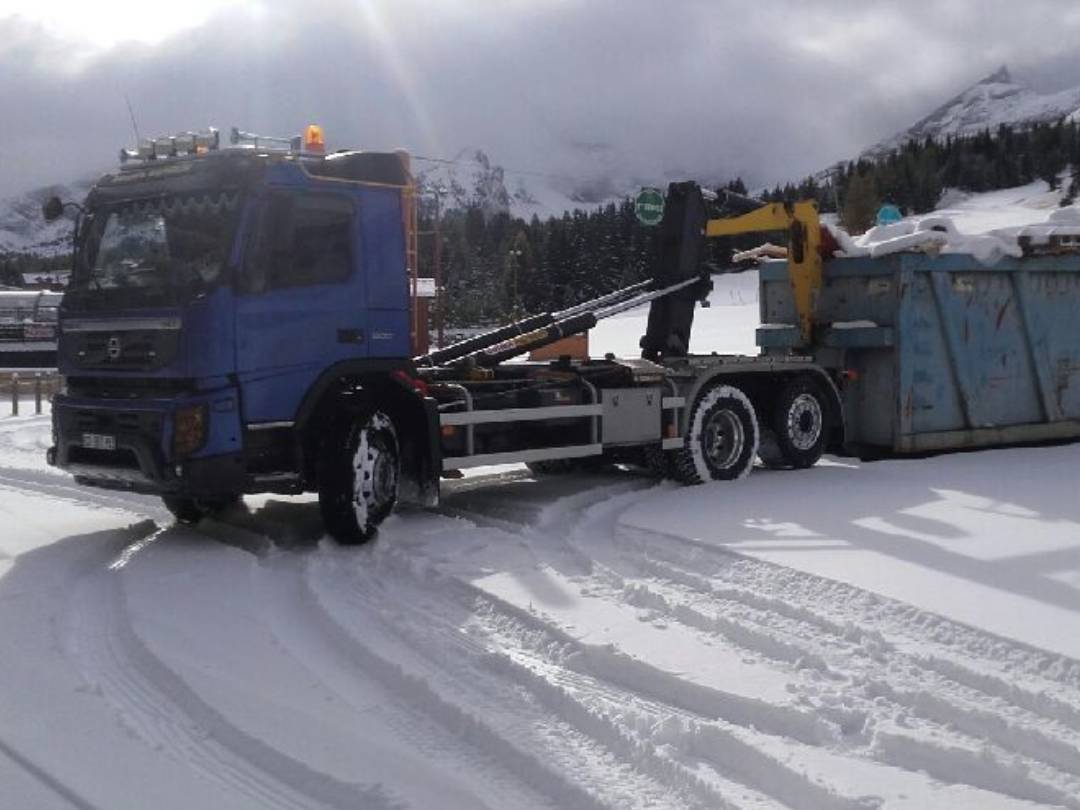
x=313 y=139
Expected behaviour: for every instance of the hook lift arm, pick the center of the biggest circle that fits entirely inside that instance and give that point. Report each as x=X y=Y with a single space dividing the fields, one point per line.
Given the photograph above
x=803 y=225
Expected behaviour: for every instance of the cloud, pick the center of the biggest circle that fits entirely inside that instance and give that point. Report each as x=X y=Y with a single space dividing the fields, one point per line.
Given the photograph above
x=769 y=91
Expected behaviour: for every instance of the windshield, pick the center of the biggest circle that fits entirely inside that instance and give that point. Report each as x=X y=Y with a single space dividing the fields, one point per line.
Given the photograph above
x=150 y=247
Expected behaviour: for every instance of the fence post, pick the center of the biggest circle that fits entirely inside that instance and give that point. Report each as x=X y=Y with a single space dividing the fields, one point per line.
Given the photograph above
x=37 y=392
x=15 y=393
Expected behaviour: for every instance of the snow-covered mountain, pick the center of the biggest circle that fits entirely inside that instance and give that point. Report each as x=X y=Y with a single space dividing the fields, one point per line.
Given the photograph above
x=24 y=230
x=997 y=99
x=471 y=178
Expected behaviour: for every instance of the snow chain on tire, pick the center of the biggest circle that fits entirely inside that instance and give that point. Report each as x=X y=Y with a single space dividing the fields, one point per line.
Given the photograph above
x=657 y=461
x=721 y=440
x=358 y=482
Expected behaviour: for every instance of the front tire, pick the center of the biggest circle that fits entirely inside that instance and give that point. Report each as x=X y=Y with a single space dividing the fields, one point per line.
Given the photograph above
x=360 y=467
x=722 y=439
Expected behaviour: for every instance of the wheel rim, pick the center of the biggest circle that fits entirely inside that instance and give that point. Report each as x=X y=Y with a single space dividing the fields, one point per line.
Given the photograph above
x=383 y=477
x=804 y=422
x=375 y=467
x=723 y=439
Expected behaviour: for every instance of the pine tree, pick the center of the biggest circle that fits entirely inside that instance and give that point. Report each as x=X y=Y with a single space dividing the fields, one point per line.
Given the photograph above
x=861 y=202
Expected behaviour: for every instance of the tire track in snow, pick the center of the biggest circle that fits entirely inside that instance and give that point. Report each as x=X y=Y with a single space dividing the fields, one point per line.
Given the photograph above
x=990 y=664
x=1048 y=744
x=152 y=701
x=870 y=700
x=841 y=608
x=393 y=673
x=438 y=722
x=804 y=646
x=45 y=778
x=55 y=485
x=494 y=703
x=691 y=729
x=593 y=687
x=1046 y=754
x=639 y=677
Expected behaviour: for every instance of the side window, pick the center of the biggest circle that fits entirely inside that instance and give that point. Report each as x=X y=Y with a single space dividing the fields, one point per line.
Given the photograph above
x=302 y=240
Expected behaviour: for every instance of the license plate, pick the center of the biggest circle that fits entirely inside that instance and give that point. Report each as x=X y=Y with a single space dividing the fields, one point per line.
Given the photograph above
x=98 y=441
x=39 y=332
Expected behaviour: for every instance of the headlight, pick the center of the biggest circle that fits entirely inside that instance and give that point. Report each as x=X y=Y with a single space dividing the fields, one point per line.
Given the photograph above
x=189 y=429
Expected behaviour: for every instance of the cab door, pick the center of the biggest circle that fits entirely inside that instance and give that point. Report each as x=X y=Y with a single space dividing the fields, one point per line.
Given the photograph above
x=301 y=299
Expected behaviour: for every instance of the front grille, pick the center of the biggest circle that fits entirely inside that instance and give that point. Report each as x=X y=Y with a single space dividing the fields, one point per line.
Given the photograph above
x=127 y=387
x=131 y=349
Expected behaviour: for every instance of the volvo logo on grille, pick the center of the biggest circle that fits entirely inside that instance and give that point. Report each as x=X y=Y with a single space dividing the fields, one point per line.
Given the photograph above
x=112 y=348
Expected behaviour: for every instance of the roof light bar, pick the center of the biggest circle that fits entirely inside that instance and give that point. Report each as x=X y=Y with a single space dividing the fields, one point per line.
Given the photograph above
x=163 y=148
x=238 y=136
x=199 y=143
x=184 y=143
x=311 y=142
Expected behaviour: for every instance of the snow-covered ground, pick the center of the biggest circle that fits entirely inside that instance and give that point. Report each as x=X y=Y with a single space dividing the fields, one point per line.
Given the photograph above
x=901 y=634
x=1004 y=209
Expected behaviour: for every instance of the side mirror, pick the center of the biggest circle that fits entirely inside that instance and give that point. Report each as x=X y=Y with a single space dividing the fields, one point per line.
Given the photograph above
x=52 y=209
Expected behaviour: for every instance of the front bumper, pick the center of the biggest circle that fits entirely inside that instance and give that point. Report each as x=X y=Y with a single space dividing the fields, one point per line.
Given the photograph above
x=141 y=460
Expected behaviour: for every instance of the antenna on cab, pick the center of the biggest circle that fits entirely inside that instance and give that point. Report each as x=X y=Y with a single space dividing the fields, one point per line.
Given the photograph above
x=131 y=112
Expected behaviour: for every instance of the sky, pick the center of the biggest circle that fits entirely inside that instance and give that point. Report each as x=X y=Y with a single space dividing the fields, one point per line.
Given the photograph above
x=768 y=90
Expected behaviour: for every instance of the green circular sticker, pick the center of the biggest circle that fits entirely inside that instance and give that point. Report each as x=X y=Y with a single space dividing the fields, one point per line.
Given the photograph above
x=649 y=206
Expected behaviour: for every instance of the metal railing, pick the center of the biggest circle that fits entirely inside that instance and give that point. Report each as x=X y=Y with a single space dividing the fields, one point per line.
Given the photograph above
x=25 y=382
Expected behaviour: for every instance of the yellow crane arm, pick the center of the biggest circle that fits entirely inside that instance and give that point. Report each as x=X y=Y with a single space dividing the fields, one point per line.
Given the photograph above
x=803 y=225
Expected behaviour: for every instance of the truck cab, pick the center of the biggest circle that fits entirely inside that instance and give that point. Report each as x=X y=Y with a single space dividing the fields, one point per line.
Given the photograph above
x=226 y=306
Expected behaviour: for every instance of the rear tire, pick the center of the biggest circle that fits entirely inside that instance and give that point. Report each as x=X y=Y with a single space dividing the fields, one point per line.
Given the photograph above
x=769 y=451
x=657 y=461
x=722 y=439
x=359 y=471
x=798 y=430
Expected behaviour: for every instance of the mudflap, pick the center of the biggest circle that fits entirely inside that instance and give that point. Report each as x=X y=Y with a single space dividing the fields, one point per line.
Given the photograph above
x=420 y=474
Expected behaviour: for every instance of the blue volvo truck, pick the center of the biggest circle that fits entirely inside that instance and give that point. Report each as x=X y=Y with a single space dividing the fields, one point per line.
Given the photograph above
x=238 y=321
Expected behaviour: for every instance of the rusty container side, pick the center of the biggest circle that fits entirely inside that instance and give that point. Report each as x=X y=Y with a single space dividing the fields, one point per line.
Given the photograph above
x=943 y=352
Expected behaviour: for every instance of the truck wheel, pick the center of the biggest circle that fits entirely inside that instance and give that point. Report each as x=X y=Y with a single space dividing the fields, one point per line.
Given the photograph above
x=769 y=451
x=656 y=461
x=798 y=434
x=359 y=470
x=722 y=439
